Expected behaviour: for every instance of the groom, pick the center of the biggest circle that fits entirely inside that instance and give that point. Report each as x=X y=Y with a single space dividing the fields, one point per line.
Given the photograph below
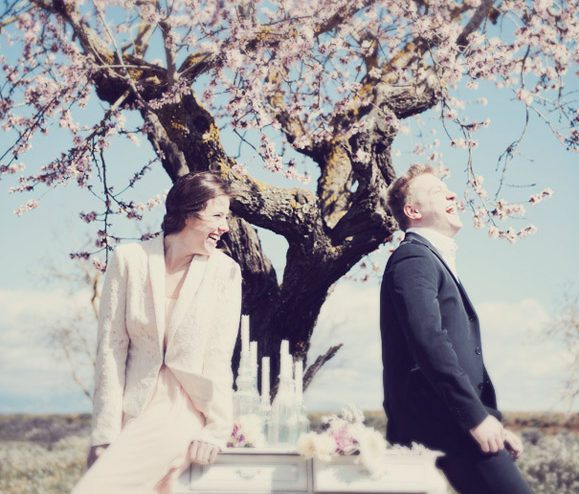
x=436 y=389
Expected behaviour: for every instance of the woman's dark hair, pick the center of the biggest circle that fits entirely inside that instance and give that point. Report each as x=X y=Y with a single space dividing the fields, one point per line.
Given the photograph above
x=190 y=194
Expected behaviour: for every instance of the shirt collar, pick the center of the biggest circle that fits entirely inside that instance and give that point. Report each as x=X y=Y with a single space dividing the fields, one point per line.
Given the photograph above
x=442 y=243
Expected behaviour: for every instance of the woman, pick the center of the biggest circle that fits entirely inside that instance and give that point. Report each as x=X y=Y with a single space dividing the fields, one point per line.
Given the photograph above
x=168 y=322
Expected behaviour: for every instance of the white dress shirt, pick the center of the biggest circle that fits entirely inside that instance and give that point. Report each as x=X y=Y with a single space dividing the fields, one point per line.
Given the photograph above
x=442 y=243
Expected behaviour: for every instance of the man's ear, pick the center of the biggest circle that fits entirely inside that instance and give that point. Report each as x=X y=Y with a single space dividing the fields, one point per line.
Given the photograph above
x=411 y=212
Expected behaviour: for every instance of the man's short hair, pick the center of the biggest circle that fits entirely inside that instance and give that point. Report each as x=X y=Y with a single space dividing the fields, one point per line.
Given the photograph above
x=399 y=190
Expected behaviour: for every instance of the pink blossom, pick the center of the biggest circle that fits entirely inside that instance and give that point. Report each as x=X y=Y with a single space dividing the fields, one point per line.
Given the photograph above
x=537 y=198
x=525 y=96
x=279 y=56
x=88 y=217
x=99 y=265
x=26 y=207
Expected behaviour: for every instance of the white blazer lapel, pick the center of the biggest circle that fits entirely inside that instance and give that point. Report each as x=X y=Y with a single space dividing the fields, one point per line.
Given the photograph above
x=157 y=279
x=193 y=279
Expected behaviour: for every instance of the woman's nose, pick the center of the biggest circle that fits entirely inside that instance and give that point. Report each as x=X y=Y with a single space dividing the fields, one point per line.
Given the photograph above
x=224 y=227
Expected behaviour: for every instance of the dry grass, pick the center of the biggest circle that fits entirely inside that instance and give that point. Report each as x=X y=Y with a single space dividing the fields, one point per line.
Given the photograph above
x=44 y=454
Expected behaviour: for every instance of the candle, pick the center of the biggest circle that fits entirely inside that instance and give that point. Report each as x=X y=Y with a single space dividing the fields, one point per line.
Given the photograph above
x=299 y=379
x=253 y=357
x=265 y=380
x=283 y=358
x=285 y=364
x=284 y=347
x=244 y=334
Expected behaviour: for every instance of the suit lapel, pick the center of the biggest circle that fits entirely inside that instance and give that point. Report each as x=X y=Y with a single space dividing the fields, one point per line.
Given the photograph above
x=415 y=238
x=157 y=279
x=193 y=278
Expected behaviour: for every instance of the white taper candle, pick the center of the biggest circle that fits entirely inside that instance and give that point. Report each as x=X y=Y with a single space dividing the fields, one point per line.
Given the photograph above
x=244 y=333
x=253 y=357
x=299 y=378
x=265 y=380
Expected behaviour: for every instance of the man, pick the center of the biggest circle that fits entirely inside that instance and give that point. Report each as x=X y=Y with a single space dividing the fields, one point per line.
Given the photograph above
x=436 y=389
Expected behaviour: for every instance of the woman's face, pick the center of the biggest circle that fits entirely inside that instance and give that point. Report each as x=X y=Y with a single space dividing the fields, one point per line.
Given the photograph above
x=206 y=227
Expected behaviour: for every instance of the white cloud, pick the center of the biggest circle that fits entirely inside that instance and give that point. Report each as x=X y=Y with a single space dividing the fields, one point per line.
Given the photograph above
x=33 y=372
x=349 y=316
x=527 y=368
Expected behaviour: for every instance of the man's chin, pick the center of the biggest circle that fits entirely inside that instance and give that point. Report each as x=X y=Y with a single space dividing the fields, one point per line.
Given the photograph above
x=456 y=228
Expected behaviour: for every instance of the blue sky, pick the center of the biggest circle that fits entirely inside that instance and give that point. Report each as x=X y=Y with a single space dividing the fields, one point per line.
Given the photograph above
x=516 y=288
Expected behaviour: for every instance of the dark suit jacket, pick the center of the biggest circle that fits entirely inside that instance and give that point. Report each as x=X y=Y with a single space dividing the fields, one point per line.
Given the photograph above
x=436 y=386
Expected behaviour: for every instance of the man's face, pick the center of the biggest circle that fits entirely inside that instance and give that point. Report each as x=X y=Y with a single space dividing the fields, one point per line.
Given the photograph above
x=431 y=205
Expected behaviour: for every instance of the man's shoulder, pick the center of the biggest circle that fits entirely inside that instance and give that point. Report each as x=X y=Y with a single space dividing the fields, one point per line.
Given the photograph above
x=411 y=248
x=411 y=255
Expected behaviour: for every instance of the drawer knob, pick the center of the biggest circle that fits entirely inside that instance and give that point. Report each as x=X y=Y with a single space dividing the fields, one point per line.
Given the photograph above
x=248 y=474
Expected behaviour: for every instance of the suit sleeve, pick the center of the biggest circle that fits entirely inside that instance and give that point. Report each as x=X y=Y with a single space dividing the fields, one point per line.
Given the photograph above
x=111 y=356
x=217 y=364
x=415 y=293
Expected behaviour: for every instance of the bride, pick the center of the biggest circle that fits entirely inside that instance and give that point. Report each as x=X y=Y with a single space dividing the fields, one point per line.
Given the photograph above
x=168 y=321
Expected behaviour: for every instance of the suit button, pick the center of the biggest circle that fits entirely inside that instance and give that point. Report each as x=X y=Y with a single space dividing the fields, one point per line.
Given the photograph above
x=471 y=318
x=480 y=386
x=477 y=350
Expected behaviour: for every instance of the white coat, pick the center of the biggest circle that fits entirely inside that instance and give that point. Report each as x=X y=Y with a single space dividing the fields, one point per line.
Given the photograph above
x=200 y=338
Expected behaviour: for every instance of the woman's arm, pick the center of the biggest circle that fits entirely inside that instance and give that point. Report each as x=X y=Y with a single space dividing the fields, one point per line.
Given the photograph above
x=112 y=346
x=217 y=363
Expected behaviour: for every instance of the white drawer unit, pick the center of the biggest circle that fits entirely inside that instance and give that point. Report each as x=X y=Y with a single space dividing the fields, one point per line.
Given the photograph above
x=401 y=474
x=250 y=471
x=254 y=471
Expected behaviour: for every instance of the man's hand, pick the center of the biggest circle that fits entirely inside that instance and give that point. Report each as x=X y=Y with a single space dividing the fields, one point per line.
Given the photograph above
x=93 y=454
x=513 y=444
x=489 y=434
x=202 y=453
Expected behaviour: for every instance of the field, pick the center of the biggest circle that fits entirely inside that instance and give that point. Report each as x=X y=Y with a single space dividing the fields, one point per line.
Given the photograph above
x=44 y=454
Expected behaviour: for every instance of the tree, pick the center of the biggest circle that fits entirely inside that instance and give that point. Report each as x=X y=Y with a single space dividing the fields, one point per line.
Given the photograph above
x=325 y=82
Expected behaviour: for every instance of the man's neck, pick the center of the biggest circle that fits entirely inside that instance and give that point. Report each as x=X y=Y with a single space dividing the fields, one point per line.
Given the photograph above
x=444 y=236
x=445 y=245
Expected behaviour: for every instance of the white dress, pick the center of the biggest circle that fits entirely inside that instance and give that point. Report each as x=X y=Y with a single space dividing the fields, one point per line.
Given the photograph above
x=152 y=449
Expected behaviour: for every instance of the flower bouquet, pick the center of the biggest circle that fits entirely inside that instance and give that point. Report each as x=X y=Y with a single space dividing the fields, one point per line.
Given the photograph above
x=346 y=434
x=247 y=433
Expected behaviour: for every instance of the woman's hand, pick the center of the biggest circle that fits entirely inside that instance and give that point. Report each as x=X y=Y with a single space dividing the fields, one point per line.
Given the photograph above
x=94 y=452
x=203 y=453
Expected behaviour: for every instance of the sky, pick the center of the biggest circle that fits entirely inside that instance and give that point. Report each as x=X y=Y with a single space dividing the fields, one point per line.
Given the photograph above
x=517 y=289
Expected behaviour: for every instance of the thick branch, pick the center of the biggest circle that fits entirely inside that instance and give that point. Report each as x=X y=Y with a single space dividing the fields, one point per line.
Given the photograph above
x=242 y=243
x=13 y=12
x=198 y=63
x=480 y=14
x=319 y=362
x=335 y=184
x=288 y=212
x=169 y=51
x=406 y=101
x=291 y=124
x=88 y=39
x=341 y=16
x=172 y=158
x=187 y=135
